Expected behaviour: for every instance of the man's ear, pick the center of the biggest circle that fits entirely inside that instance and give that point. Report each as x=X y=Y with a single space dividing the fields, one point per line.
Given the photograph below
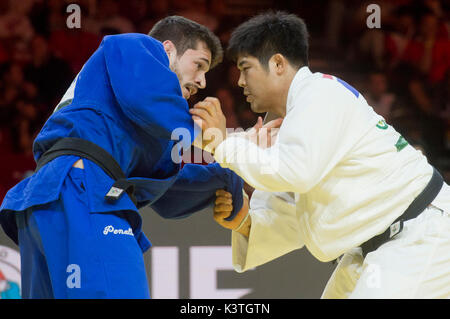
x=278 y=63
x=171 y=50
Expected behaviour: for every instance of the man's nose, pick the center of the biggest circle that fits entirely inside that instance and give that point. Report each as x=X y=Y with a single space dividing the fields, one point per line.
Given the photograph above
x=201 y=81
x=241 y=81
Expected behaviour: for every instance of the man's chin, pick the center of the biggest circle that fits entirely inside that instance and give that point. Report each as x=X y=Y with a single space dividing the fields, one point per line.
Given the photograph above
x=256 y=108
x=186 y=94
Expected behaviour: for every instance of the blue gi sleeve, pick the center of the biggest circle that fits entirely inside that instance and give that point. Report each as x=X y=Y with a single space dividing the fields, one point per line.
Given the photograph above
x=195 y=189
x=148 y=92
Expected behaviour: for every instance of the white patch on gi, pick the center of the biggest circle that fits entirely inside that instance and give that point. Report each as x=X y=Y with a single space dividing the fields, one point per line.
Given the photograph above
x=110 y=229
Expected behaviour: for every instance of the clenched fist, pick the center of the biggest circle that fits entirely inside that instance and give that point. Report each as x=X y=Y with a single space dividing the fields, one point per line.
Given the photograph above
x=208 y=115
x=223 y=207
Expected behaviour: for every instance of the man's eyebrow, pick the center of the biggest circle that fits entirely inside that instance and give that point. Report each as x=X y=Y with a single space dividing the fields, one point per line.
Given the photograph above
x=208 y=63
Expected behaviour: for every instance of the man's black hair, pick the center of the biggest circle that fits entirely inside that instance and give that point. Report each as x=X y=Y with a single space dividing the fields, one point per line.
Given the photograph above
x=270 y=33
x=185 y=34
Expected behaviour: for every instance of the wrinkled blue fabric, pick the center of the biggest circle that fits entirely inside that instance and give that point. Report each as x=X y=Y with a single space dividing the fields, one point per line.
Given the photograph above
x=126 y=100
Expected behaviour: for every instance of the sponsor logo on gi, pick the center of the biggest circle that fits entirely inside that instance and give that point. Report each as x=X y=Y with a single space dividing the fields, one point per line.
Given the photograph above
x=114 y=192
x=110 y=229
x=382 y=124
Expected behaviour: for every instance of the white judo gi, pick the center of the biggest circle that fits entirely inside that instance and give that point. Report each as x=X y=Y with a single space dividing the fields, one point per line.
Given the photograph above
x=337 y=176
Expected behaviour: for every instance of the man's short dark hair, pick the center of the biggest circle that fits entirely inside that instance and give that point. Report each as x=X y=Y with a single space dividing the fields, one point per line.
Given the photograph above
x=185 y=34
x=270 y=33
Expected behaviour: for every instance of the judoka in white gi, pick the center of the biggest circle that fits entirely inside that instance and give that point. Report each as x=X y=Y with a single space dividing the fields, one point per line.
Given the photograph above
x=338 y=175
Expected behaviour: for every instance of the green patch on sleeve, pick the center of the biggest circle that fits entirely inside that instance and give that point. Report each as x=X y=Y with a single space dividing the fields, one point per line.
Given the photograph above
x=382 y=125
x=401 y=143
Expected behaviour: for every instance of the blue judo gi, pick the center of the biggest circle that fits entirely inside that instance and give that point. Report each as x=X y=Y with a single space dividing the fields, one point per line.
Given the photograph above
x=73 y=242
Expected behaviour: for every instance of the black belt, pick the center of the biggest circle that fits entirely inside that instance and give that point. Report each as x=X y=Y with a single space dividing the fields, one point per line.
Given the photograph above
x=417 y=206
x=93 y=152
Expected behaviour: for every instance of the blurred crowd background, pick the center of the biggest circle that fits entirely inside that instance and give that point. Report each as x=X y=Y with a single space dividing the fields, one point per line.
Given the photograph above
x=402 y=68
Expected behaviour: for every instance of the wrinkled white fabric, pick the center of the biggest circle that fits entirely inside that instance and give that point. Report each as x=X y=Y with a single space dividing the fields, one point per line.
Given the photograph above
x=337 y=176
x=332 y=150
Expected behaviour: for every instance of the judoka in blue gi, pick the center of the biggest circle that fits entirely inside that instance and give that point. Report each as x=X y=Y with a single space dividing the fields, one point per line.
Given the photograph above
x=128 y=99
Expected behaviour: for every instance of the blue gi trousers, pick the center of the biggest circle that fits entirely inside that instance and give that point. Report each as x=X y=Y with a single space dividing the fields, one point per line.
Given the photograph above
x=69 y=252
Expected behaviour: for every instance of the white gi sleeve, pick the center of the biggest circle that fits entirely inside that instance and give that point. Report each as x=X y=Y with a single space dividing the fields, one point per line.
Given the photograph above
x=316 y=133
x=274 y=231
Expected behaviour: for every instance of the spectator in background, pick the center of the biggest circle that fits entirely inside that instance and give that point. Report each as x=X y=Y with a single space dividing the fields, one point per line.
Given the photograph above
x=51 y=75
x=398 y=38
x=4 y=56
x=336 y=10
x=370 y=46
x=14 y=23
x=434 y=6
x=441 y=100
x=378 y=96
x=196 y=10
x=156 y=10
x=429 y=51
x=20 y=52
x=428 y=59
x=13 y=87
x=56 y=20
x=139 y=11
x=110 y=19
x=25 y=127
x=19 y=120
x=74 y=46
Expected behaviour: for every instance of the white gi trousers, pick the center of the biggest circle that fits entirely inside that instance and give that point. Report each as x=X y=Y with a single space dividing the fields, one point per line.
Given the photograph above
x=414 y=264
